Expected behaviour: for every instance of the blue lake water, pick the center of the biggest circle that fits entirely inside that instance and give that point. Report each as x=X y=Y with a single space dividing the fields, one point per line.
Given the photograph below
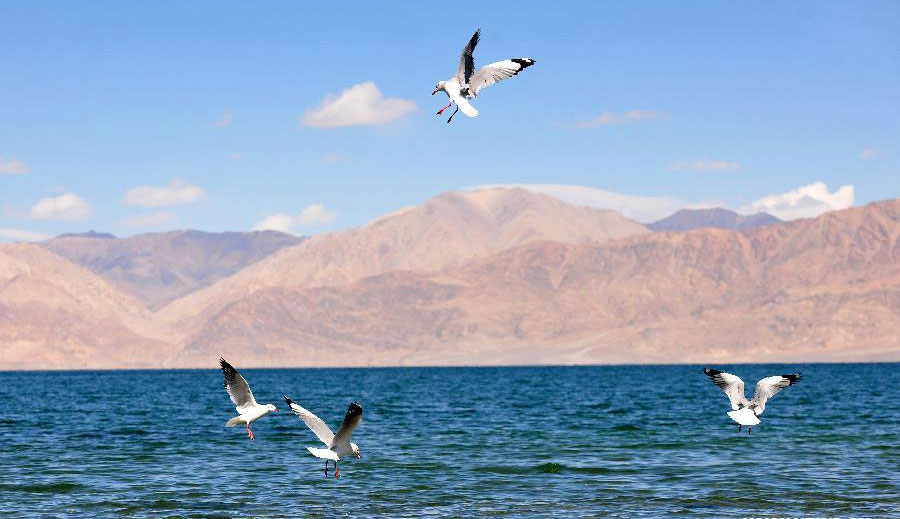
x=630 y=441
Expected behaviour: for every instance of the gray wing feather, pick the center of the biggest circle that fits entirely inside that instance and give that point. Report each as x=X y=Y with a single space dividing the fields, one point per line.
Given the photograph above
x=731 y=385
x=466 y=61
x=496 y=72
x=351 y=420
x=315 y=424
x=769 y=386
x=237 y=387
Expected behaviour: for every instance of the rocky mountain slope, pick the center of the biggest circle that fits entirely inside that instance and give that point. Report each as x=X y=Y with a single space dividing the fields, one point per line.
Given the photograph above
x=489 y=277
x=158 y=268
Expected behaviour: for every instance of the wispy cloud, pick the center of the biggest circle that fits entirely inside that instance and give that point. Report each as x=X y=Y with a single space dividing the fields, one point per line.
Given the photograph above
x=12 y=166
x=157 y=219
x=870 y=153
x=311 y=215
x=631 y=116
x=332 y=158
x=176 y=192
x=640 y=208
x=67 y=206
x=359 y=105
x=224 y=121
x=21 y=235
x=705 y=165
x=804 y=202
x=233 y=156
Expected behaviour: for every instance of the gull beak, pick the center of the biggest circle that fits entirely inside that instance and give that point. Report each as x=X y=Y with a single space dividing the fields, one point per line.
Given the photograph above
x=435 y=91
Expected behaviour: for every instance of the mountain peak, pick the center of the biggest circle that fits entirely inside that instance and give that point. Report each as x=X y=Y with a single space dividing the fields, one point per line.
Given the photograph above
x=89 y=234
x=716 y=217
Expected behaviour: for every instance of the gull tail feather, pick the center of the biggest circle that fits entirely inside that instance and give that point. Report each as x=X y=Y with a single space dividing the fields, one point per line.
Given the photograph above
x=466 y=108
x=233 y=422
x=327 y=454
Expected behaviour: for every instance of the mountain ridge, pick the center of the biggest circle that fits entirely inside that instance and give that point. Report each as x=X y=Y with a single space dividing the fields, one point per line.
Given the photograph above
x=716 y=217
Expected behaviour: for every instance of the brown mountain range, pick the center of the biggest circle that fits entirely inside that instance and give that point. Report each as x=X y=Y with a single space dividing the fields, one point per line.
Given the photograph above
x=502 y=276
x=158 y=268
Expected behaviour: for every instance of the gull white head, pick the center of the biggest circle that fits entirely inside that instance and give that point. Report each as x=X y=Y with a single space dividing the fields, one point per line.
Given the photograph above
x=271 y=407
x=355 y=449
x=439 y=86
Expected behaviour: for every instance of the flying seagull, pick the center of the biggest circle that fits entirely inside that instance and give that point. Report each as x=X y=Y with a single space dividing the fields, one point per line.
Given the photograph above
x=467 y=81
x=247 y=408
x=742 y=411
x=339 y=444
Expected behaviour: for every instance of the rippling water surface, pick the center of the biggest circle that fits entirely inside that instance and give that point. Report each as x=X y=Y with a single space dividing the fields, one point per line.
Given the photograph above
x=634 y=441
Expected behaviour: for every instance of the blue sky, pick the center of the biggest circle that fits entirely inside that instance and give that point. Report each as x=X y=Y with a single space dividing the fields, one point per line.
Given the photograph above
x=132 y=118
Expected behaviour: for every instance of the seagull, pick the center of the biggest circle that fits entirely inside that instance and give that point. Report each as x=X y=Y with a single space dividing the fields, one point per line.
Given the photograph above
x=742 y=411
x=339 y=444
x=467 y=82
x=247 y=408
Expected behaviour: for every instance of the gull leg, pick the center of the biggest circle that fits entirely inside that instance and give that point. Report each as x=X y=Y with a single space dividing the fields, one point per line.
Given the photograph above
x=739 y=428
x=444 y=108
x=451 y=115
x=749 y=430
x=326 y=468
x=249 y=432
x=337 y=471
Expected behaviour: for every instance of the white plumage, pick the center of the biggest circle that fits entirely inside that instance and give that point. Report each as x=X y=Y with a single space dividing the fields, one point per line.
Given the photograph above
x=467 y=82
x=338 y=445
x=246 y=406
x=746 y=412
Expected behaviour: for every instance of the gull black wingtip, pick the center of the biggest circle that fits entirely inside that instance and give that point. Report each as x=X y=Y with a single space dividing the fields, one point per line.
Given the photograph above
x=287 y=400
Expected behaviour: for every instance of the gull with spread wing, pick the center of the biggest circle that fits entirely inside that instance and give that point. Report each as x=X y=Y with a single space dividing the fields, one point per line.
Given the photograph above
x=239 y=391
x=467 y=81
x=339 y=445
x=747 y=412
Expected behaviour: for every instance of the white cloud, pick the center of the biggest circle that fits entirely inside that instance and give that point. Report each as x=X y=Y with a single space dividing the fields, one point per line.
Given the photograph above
x=224 y=121
x=359 y=105
x=277 y=222
x=705 y=165
x=804 y=202
x=640 y=208
x=870 y=153
x=175 y=192
x=631 y=116
x=156 y=219
x=332 y=158
x=11 y=166
x=311 y=215
x=22 y=235
x=67 y=206
x=315 y=214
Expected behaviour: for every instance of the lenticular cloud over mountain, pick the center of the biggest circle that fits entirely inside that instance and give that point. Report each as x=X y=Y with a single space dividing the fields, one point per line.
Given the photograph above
x=804 y=202
x=640 y=208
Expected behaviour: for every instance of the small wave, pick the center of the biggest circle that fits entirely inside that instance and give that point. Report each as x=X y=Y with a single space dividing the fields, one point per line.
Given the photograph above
x=45 y=488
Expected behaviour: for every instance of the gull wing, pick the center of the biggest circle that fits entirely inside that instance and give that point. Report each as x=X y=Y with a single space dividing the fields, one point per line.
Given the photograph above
x=237 y=387
x=769 y=386
x=731 y=385
x=496 y=72
x=351 y=420
x=315 y=424
x=466 y=61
